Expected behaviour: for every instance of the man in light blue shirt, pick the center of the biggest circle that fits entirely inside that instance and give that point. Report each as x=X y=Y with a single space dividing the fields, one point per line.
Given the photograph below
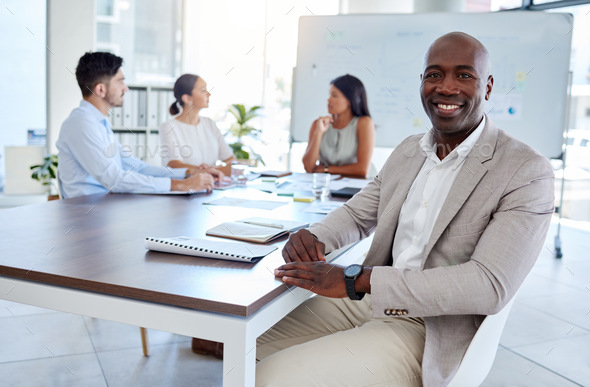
x=90 y=158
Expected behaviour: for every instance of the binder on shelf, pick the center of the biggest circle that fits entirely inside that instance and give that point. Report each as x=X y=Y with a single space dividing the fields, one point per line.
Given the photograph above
x=142 y=112
x=241 y=252
x=118 y=117
x=164 y=105
x=128 y=99
x=111 y=117
x=144 y=109
x=125 y=116
x=153 y=120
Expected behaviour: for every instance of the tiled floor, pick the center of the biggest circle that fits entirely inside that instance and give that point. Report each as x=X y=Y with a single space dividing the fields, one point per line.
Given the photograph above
x=546 y=341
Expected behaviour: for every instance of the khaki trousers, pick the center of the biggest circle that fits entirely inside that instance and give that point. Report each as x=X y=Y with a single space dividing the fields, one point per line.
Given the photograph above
x=336 y=342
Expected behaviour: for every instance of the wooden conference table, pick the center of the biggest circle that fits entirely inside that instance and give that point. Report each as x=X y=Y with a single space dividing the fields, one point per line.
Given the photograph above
x=86 y=256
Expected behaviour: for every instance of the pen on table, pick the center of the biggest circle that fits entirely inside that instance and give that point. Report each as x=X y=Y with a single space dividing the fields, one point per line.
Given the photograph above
x=266 y=224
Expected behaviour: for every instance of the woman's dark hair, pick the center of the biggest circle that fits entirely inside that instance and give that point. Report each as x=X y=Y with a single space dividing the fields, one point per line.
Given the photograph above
x=94 y=68
x=354 y=90
x=183 y=85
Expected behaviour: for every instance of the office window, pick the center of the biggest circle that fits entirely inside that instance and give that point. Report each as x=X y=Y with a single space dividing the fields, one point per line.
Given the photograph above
x=280 y=59
x=22 y=60
x=576 y=204
x=147 y=34
x=246 y=52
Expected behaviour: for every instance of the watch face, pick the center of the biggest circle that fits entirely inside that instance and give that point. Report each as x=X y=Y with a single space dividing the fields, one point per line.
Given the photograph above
x=353 y=270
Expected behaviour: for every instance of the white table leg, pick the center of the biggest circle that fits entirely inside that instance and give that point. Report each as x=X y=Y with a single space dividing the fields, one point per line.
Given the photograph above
x=239 y=359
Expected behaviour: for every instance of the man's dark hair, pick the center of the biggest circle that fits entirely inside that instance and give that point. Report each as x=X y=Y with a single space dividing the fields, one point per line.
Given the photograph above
x=94 y=68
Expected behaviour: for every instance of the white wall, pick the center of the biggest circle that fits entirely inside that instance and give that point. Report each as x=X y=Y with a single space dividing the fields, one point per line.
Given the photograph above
x=71 y=31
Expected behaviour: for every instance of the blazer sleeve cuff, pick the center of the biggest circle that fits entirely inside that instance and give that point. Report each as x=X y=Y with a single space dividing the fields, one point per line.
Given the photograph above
x=324 y=235
x=383 y=304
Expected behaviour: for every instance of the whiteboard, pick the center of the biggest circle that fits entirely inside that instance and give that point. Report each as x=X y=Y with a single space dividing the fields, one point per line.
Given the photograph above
x=530 y=55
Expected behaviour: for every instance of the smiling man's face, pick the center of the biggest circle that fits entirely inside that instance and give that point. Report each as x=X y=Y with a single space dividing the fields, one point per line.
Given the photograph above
x=455 y=82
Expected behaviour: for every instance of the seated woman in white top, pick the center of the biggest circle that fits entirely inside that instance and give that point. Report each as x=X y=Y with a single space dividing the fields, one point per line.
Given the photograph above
x=189 y=139
x=342 y=143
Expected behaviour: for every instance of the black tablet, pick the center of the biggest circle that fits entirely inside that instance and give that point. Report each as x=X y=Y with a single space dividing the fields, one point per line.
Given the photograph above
x=346 y=192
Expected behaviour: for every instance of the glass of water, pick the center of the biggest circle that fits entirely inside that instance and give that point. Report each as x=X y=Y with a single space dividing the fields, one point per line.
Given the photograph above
x=321 y=185
x=239 y=174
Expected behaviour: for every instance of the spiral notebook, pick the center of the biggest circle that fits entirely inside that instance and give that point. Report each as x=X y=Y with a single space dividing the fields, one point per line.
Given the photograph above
x=242 y=252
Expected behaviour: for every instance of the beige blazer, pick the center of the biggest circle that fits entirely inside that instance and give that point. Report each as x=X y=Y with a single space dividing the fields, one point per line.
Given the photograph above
x=486 y=239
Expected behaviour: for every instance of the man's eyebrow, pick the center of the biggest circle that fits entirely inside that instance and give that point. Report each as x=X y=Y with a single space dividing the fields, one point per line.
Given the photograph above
x=432 y=67
x=466 y=67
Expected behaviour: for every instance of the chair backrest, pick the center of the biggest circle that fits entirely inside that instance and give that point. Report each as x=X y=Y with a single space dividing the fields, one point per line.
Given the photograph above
x=479 y=357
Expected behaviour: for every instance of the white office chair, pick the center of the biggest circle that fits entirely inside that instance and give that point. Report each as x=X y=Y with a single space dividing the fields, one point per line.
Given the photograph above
x=145 y=346
x=477 y=361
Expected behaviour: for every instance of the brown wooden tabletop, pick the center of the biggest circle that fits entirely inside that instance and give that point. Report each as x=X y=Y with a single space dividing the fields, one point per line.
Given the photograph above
x=96 y=243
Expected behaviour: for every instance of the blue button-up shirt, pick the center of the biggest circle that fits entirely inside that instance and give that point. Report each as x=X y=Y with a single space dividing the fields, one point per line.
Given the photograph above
x=90 y=159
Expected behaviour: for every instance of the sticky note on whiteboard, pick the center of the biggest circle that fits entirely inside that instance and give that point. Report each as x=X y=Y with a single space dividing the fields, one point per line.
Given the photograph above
x=520 y=76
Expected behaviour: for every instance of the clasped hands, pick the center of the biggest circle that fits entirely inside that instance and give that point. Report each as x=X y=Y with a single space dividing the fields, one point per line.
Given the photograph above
x=307 y=268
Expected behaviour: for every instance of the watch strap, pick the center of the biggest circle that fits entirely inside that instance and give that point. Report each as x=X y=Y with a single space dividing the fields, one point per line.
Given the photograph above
x=350 y=289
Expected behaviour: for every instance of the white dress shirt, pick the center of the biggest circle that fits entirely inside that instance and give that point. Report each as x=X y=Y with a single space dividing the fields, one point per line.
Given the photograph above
x=425 y=199
x=90 y=159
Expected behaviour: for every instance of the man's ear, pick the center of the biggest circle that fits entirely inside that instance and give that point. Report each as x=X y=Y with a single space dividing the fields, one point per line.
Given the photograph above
x=100 y=90
x=489 y=86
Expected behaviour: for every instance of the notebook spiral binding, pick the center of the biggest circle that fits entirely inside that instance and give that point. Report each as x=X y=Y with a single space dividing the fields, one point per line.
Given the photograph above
x=201 y=249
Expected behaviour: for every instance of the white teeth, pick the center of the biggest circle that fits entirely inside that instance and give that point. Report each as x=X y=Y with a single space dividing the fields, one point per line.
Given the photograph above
x=447 y=107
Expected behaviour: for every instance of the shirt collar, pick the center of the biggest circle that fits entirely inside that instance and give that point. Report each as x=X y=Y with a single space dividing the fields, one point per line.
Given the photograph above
x=93 y=111
x=428 y=144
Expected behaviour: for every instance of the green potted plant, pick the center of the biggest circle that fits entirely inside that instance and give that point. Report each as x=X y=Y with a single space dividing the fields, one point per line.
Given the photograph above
x=46 y=173
x=240 y=129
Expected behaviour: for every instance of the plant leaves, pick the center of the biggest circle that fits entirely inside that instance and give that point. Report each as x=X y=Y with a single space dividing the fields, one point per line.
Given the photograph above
x=234 y=110
x=47 y=171
x=242 y=111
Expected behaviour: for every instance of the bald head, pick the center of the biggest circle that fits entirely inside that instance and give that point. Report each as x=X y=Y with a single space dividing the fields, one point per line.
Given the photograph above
x=464 y=41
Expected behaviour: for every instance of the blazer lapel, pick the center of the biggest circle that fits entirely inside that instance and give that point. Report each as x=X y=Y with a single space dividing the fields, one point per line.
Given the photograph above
x=469 y=176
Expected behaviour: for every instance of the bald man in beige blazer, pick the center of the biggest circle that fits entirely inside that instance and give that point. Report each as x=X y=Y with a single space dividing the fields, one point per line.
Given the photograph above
x=425 y=302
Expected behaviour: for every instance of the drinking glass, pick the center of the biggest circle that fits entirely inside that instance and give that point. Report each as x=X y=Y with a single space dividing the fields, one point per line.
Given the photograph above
x=321 y=185
x=239 y=174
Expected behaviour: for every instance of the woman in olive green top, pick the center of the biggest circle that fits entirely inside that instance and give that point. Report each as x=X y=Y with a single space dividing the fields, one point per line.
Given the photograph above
x=342 y=143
